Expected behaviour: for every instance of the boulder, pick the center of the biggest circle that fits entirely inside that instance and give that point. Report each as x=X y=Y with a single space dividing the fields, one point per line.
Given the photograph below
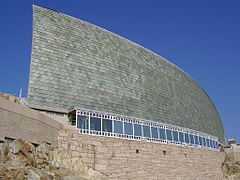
x=20 y=160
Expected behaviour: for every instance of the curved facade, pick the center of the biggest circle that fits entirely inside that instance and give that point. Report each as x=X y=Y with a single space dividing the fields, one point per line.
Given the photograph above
x=75 y=63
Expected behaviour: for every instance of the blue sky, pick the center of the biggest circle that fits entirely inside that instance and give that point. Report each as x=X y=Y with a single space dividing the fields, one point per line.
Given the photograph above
x=200 y=36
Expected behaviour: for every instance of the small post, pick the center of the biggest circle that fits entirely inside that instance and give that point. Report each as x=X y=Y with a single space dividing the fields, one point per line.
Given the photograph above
x=20 y=93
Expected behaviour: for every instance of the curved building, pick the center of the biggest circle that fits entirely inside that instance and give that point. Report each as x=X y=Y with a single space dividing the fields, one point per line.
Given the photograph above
x=77 y=64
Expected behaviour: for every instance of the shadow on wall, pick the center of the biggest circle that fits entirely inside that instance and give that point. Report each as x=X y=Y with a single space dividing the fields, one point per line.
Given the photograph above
x=18 y=121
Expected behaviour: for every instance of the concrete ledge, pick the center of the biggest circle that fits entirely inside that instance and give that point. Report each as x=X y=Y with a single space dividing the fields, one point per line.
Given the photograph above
x=17 y=121
x=45 y=108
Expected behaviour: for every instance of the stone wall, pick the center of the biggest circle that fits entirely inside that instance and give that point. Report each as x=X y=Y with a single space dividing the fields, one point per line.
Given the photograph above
x=128 y=159
x=233 y=152
x=17 y=121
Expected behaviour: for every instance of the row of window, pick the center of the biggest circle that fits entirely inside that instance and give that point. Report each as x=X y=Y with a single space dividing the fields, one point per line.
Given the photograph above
x=139 y=131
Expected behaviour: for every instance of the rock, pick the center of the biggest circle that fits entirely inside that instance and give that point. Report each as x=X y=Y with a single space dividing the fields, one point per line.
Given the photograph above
x=33 y=175
x=18 y=145
x=70 y=178
x=36 y=174
x=95 y=175
x=15 y=146
x=230 y=168
x=1 y=150
x=5 y=149
x=18 y=174
x=17 y=161
x=12 y=173
x=43 y=149
x=21 y=160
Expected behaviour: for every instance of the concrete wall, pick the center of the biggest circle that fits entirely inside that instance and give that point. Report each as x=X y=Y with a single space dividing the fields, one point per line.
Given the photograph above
x=75 y=63
x=128 y=159
x=17 y=121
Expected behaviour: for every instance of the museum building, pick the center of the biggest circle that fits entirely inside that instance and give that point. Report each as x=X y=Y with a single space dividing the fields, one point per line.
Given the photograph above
x=106 y=85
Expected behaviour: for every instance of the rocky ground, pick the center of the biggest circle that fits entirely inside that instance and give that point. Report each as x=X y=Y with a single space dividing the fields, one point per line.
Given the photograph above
x=231 y=168
x=20 y=160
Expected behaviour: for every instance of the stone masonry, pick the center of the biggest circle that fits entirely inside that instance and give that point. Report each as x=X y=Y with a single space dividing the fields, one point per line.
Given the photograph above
x=128 y=159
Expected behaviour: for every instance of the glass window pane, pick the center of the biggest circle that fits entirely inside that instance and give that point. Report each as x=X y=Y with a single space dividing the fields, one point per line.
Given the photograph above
x=82 y=122
x=128 y=128
x=180 y=137
x=95 y=123
x=186 y=137
x=118 y=127
x=216 y=145
x=175 y=135
x=200 y=140
x=137 y=130
x=154 y=132
x=59 y=114
x=196 y=139
x=204 y=141
x=162 y=133
x=146 y=131
x=169 y=134
x=208 y=144
x=191 y=139
x=50 y=113
x=211 y=144
x=107 y=125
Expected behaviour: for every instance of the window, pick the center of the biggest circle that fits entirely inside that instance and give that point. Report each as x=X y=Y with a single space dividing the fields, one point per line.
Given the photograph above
x=162 y=133
x=175 y=135
x=191 y=139
x=208 y=143
x=154 y=132
x=211 y=143
x=107 y=125
x=200 y=141
x=204 y=141
x=181 y=137
x=186 y=137
x=146 y=131
x=95 y=124
x=51 y=113
x=82 y=122
x=124 y=127
x=59 y=114
x=196 y=140
x=137 y=130
x=128 y=128
x=169 y=134
x=118 y=127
